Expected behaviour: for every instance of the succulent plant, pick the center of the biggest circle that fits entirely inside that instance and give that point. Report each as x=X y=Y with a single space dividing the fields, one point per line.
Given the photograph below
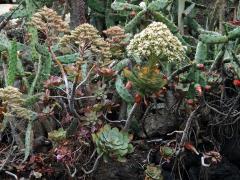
x=146 y=79
x=11 y=95
x=153 y=173
x=157 y=41
x=57 y=135
x=85 y=38
x=116 y=37
x=167 y=152
x=112 y=143
x=13 y=101
x=91 y=118
x=49 y=22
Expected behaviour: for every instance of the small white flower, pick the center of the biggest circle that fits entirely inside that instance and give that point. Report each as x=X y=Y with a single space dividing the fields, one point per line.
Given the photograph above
x=143 y=5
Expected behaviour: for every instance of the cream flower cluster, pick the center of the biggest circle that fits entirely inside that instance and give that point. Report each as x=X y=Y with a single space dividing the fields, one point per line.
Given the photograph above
x=157 y=40
x=12 y=98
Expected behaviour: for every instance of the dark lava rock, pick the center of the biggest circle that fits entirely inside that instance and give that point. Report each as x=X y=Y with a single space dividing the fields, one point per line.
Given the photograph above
x=160 y=122
x=224 y=171
x=231 y=150
x=130 y=170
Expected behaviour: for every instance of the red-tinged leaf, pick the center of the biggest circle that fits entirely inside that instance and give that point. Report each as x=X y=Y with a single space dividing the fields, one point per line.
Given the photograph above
x=235 y=22
x=105 y=72
x=128 y=85
x=53 y=81
x=190 y=147
x=138 y=98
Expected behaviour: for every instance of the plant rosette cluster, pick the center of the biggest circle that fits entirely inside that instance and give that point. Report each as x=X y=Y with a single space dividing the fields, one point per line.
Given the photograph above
x=157 y=41
x=85 y=39
x=146 y=80
x=153 y=173
x=57 y=135
x=50 y=23
x=112 y=143
x=12 y=100
x=167 y=152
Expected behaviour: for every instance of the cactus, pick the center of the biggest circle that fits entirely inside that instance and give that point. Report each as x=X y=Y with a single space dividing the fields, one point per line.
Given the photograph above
x=135 y=21
x=12 y=64
x=112 y=143
x=46 y=61
x=218 y=38
x=122 y=91
x=36 y=78
x=97 y=5
x=123 y=6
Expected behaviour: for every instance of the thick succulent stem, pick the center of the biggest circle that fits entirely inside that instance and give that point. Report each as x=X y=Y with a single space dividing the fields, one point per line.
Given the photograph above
x=12 y=64
x=180 y=71
x=31 y=91
x=217 y=60
x=135 y=21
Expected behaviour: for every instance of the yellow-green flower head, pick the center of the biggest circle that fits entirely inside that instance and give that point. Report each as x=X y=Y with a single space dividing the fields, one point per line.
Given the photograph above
x=157 y=40
x=22 y=112
x=11 y=95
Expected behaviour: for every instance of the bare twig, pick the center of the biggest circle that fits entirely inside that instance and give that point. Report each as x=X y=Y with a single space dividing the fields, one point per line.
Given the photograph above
x=129 y=119
x=188 y=127
x=155 y=140
x=9 y=154
x=36 y=77
x=94 y=166
x=75 y=87
x=64 y=76
x=214 y=109
x=113 y=121
x=7 y=19
x=86 y=78
x=232 y=108
x=69 y=171
x=80 y=98
x=85 y=97
x=174 y=132
x=142 y=121
x=93 y=154
x=11 y=174
x=148 y=156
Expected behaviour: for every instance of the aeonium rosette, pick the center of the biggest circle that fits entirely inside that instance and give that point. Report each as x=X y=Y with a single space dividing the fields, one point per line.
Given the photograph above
x=112 y=143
